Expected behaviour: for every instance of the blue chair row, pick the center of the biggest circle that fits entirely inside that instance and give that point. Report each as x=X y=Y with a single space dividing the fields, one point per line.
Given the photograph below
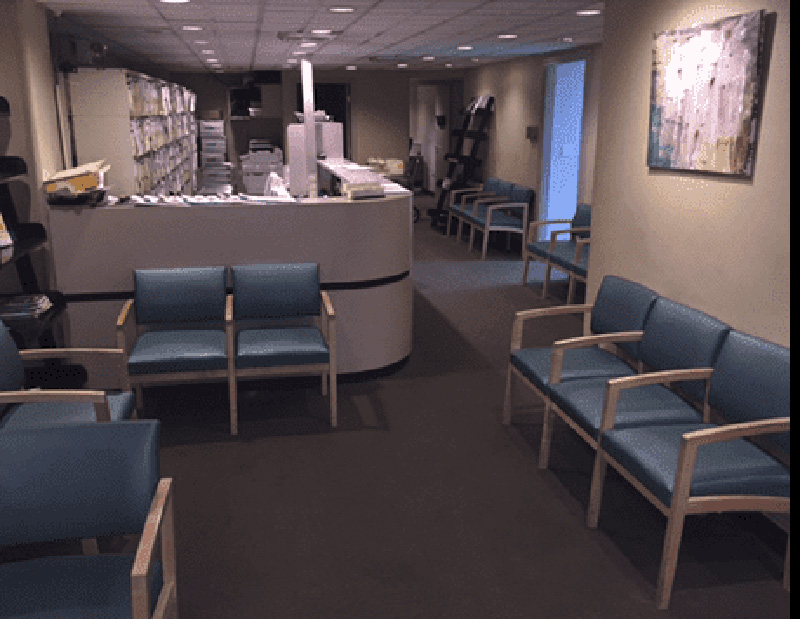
x=182 y=325
x=678 y=407
x=498 y=206
x=22 y=407
x=567 y=250
x=84 y=481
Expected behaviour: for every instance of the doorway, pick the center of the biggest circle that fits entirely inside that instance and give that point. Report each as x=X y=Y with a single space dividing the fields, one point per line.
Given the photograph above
x=563 y=122
x=334 y=99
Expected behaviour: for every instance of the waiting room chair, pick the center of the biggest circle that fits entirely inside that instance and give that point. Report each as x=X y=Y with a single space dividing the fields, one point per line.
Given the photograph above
x=561 y=244
x=285 y=325
x=22 y=407
x=86 y=481
x=508 y=214
x=174 y=329
x=459 y=199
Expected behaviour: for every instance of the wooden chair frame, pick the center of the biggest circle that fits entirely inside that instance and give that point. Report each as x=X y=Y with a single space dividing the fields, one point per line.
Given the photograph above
x=488 y=227
x=462 y=217
x=84 y=356
x=128 y=329
x=158 y=535
x=682 y=503
x=328 y=371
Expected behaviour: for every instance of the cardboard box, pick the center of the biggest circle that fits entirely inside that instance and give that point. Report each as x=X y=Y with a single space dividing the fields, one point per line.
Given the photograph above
x=81 y=179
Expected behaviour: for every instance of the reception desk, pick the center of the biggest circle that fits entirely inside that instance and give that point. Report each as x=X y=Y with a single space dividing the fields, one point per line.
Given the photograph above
x=363 y=248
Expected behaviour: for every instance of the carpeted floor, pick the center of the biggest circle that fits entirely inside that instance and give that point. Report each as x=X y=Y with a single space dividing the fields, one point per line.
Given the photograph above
x=422 y=504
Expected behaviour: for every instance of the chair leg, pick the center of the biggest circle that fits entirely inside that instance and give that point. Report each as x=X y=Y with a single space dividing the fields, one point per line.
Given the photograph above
x=459 y=229
x=324 y=383
x=571 y=289
x=233 y=394
x=334 y=404
x=596 y=491
x=471 y=237
x=139 y=397
x=89 y=546
x=547 y=436
x=669 y=557
x=507 y=398
x=485 y=243
x=546 y=281
x=786 y=564
x=525 y=269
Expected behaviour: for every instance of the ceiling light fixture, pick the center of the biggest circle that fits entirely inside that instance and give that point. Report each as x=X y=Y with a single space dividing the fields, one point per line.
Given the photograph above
x=202 y=42
x=321 y=31
x=192 y=28
x=299 y=52
x=207 y=51
x=401 y=65
x=174 y=1
x=212 y=60
x=308 y=44
x=588 y=12
x=428 y=58
x=506 y=36
x=351 y=67
x=566 y=39
x=292 y=60
x=449 y=65
x=465 y=48
x=341 y=9
x=475 y=59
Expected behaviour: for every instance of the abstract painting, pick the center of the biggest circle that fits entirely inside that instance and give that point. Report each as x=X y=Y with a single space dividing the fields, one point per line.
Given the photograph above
x=704 y=98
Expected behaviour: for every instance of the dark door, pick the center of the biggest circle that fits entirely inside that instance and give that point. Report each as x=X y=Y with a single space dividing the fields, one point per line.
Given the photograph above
x=334 y=99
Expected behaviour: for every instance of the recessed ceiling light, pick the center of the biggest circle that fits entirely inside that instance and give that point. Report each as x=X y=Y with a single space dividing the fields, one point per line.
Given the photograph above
x=212 y=60
x=428 y=58
x=475 y=59
x=299 y=52
x=192 y=28
x=207 y=51
x=465 y=47
x=587 y=12
x=566 y=39
x=202 y=42
x=401 y=65
x=448 y=64
x=308 y=44
x=351 y=67
x=292 y=60
x=506 y=36
x=321 y=31
x=174 y=1
x=341 y=9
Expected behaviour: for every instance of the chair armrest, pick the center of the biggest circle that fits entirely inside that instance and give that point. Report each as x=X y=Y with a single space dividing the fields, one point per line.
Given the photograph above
x=585 y=341
x=327 y=306
x=102 y=364
x=126 y=326
x=580 y=245
x=535 y=225
x=46 y=396
x=158 y=525
x=524 y=315
x=663 y=377
x=556 y=233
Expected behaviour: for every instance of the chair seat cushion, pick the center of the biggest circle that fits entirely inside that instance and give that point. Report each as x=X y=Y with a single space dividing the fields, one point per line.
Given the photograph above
x=161 y=352
x=280 y=346
x=42 y=414
x=499 y=219
x=567 y=261
x=71 y=587
x=654 y=404
x=731 y=468
x=534 y=363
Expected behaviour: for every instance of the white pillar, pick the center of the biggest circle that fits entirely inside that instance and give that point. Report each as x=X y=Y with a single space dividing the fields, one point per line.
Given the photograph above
x=307 y=78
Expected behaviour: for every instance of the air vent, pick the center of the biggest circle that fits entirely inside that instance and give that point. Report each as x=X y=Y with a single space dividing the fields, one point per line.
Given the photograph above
x=299 y=35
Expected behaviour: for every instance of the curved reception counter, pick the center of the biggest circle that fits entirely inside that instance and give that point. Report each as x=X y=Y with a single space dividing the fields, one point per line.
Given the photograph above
x=363 y=248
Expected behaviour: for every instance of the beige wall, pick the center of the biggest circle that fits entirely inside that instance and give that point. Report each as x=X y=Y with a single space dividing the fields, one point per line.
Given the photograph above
x=717 y=244
x=518 y=88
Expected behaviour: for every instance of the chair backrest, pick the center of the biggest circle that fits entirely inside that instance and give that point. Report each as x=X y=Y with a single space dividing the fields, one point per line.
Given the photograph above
x=677 y=336
x=622 y=305
x=12 y=372
x=582 y=219
x=504 y=188
x=751 y=382
x=522 y=194
x=77 y=480
x=275 y=290
x=195 y=294
x=491 y=183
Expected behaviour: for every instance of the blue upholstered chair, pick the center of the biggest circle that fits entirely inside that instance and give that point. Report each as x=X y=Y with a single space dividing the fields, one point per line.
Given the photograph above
x=699 y=467
x=86 y=481
x=617 y=315
x=459 y=199
x=477 y=208
x=509 y=216
x=174 y=328
x=561 y=250
x=675 y=337
x=37 y=408
x=285 y=325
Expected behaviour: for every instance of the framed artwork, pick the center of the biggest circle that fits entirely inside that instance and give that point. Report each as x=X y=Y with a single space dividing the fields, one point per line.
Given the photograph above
x=704 y=97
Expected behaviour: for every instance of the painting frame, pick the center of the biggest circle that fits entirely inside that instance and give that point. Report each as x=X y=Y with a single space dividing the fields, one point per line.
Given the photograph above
x=705 y=97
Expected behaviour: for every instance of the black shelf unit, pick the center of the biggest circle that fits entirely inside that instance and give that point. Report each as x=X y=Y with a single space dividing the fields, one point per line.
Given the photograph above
x=28 y=238
x=463 y=164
